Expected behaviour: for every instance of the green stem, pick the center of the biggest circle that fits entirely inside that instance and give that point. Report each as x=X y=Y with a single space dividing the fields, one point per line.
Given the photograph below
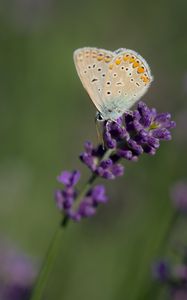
x=54 y=245
x=47 y=265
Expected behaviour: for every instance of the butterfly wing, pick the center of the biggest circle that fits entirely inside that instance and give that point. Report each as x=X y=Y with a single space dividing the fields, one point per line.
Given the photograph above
x=92 y=66
x=126 y=81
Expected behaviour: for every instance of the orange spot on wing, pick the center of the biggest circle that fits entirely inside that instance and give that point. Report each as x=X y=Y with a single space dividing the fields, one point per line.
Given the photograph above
x=136 y=64
x=145 y=78
x=132 y=59
x=141 y=70
x=111 y=66
x=126 y=57
x=100 y=57
x=107 y=58
x=118 y=61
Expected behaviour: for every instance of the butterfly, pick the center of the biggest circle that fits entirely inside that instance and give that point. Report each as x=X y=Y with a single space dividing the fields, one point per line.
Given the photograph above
x=113 y=80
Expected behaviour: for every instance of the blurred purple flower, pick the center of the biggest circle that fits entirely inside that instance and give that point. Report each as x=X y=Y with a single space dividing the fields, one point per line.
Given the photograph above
x=161 y=270
x=126 y=138
x=179 y=294
x=174 y=276
x=180 y=272
x=179 y=196
x=17 y=273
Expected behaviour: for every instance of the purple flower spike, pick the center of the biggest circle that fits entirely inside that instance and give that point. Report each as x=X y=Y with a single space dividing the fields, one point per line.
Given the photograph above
x=65 y=199
x=127 y=138
x=98 y=194
x=93 y=198
x=138 y=133
x=69 y=178
x=114 y=131
x=109 y=170
x=86 y=208
x=91 y=156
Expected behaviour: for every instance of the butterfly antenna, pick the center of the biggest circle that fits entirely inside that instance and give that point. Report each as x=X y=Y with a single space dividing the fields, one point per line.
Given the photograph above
x=99 y=133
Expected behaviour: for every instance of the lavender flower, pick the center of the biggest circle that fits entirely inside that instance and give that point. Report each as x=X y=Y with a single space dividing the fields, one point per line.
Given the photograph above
x=179 y=196
x=65 y=199
x=138 y=133
x=106 y=168
x=126 y=138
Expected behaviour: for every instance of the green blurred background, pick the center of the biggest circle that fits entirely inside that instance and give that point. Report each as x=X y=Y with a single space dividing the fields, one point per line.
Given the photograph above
x=46 y=116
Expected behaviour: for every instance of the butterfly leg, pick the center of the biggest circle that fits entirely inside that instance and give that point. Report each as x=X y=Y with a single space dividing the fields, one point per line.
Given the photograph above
x=98 y=130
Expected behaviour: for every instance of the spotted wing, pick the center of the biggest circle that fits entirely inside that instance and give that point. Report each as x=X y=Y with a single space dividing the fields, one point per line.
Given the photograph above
x=127 y=79
x=92 y=66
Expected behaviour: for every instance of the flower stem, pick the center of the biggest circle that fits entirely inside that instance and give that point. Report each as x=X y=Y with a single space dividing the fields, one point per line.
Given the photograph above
x=54 y=245
x=47 y=265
